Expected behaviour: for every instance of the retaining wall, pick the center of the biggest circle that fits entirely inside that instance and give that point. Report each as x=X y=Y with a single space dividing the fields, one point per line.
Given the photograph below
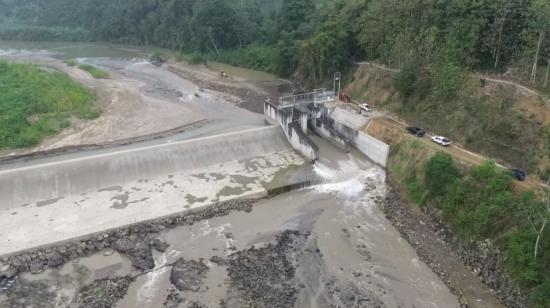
x=374 y=149
x=324 y=129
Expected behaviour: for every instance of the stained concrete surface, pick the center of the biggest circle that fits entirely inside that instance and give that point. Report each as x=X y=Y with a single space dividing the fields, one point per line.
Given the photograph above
x=141 y=199
x=39 y=182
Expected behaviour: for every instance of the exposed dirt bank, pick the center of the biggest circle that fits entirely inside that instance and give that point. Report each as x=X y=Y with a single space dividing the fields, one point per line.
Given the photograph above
x=250 y=93
x=127 y=110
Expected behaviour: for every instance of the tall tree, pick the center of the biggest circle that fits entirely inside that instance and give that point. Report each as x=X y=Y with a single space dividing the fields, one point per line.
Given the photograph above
x=539 y=24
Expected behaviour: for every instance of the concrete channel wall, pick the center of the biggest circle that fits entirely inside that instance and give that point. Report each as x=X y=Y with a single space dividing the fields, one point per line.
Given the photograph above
x=48 y=181
x=324 y=129
x=374 y=149
x=294 y=130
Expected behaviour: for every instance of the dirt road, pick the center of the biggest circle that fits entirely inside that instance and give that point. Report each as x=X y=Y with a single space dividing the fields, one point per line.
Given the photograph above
x=391 y=131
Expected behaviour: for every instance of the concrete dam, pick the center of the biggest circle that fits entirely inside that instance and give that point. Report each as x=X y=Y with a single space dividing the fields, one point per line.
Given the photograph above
x=46 y=202
x=68 y=198
x=43 y=182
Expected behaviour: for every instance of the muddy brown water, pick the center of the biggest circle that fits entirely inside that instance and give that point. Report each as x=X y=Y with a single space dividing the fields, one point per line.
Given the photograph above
x=359 y=248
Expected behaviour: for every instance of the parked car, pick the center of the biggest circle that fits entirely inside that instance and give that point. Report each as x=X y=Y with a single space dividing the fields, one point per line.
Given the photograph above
x=442 y=141
x=365 y=107
x=417 y=131
x=519 y=175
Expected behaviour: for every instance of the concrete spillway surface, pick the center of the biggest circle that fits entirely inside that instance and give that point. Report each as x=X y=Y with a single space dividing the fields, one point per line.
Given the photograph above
x=59 y=200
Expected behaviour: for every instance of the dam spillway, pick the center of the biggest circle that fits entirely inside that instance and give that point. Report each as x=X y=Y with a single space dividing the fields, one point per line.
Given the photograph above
x=47 y=203
x=40 y=182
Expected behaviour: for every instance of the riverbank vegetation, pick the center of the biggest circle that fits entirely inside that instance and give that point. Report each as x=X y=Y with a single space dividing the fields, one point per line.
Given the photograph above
x=35 y=103
x=480 y=203
x=94 y=71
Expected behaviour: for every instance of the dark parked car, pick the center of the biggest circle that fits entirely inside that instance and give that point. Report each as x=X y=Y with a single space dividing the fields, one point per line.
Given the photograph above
x=519 y=175
x=417 y=131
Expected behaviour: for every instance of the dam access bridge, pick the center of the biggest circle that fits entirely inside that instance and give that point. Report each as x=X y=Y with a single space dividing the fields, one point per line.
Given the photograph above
x=322 y=113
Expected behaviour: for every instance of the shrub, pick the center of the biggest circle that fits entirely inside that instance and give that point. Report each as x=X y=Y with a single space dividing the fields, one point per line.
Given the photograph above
x=197 y=58
x=71 y=62
x=406 y=80
x=95 y=72
x=440 y=172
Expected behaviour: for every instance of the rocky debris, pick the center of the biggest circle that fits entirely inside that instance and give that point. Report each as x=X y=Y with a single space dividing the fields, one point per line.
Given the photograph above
x=195 y=305
x=173 y=299
x=104 y=293
x=137 y=250
x=218 y=261
x=163 y=90
x=55 y=260
x=37 y=267
x=188 y=275
x=488 y=263
x=350 y=296
x=24 y=294
x=61 y=254
x=159 y=245
x=7 y=281
x=263 y=277
x=483 y=258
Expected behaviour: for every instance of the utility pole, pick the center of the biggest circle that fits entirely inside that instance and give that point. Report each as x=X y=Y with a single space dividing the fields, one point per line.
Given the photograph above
x=337 y=83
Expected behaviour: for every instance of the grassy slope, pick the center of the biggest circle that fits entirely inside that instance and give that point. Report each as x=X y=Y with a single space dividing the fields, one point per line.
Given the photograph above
x=35 y=103
x=478 y=203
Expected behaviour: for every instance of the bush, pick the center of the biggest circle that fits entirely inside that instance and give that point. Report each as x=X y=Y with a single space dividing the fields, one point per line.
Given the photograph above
x=440 y=172
x=261 y=58
x=197 y=58
x=95 y=72
x=71 y=62
x=406 y=80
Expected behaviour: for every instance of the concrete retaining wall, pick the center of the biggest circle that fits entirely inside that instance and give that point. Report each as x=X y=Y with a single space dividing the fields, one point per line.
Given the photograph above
x=323 y=129
x=51 y=180
x=374 y=149
x=294 y=130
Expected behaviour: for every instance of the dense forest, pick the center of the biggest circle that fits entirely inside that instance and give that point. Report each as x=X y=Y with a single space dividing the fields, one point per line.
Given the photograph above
x=435 y=40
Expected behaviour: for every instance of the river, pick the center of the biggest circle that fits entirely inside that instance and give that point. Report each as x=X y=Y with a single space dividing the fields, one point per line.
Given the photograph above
x=328 y=245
